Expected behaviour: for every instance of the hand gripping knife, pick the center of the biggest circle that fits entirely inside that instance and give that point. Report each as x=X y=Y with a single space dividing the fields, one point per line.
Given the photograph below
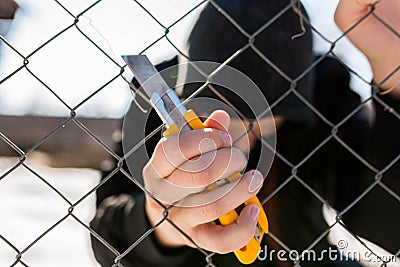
x=177 y=118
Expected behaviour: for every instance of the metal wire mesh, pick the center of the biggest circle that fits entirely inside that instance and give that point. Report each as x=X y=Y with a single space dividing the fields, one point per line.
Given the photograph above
x=334 y=127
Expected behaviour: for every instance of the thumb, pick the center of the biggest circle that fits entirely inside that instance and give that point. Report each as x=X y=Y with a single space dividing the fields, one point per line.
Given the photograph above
x=219 y=120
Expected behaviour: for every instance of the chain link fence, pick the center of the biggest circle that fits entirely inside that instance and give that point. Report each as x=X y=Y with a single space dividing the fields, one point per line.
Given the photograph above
x=333 y=135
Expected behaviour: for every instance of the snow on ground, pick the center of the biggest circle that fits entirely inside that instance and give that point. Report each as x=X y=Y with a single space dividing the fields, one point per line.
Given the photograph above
x=28 y=207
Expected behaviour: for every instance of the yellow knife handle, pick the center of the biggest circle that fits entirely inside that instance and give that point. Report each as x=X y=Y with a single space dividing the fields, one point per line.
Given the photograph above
x=248 y=254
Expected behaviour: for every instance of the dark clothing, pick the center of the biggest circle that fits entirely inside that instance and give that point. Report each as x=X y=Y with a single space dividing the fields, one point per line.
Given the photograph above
x=332 y=171
x=377 y=214
x=215 y=39
x=121 y=220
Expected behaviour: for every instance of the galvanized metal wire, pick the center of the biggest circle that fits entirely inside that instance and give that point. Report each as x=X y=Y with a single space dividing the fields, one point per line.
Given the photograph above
x=250 y=45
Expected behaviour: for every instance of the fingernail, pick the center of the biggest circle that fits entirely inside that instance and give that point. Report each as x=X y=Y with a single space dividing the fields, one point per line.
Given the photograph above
x=254 y=212
x=226 y=138
x=256 y=181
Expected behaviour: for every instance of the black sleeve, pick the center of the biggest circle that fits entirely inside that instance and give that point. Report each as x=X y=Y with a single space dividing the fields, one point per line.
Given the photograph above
x=384 y=145
x=383 y=149
x=121 y=221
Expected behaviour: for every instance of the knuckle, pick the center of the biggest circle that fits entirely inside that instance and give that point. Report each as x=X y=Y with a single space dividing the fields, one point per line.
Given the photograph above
x=150 y=172
x=147 y=170
x=153 y=204
x=162 y=143
x=160 y=150
x=210 y=134
x=241 y=157
x=237 y=151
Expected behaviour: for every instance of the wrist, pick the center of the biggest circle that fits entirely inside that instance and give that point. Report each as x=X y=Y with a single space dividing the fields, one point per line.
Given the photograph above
x=165 y=233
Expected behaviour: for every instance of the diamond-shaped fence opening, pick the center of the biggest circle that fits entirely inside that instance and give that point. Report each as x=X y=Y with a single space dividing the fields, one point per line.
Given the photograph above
x=333 y=187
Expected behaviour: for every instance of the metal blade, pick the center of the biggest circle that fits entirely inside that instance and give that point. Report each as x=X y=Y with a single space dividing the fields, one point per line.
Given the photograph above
x=143 y=70
x=155 y=87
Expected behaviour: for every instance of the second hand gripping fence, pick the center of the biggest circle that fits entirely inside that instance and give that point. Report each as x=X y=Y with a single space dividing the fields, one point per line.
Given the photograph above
x=294 y=177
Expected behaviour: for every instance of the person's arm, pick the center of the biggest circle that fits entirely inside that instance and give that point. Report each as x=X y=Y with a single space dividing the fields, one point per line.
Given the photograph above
x=379 y=43
x=382 y=48
x=121 y=221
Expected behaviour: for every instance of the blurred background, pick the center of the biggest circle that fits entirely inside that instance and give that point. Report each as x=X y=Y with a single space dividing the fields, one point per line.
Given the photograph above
x=63 y=74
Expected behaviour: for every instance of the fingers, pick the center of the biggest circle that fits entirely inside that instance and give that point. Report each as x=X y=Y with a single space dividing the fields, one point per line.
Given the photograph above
x=349 y=12
x=198 y=222
x=194 y=177
x=224 y=239
x=378 y=42
x=181 y=168
x=209 y=167
x=173 y=151
x=163 y=190
x=247 y=187
x=218 y=120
